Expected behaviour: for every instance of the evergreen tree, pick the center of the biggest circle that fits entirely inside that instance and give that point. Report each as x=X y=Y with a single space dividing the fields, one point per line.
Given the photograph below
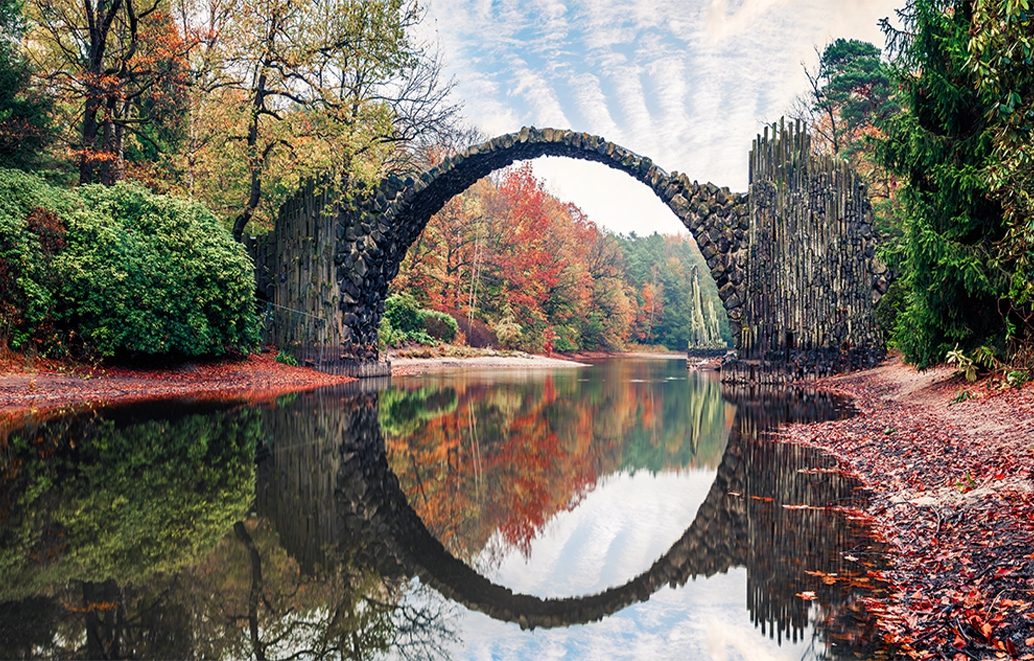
x=1002 y=57
x=851 y=95
x=24 y=113
x=939 y=145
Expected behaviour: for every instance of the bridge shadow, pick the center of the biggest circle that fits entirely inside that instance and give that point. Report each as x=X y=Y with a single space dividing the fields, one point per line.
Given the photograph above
x=767 y=510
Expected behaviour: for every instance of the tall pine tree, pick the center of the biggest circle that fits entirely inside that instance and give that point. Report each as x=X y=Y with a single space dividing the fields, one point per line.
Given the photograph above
x=939 y=146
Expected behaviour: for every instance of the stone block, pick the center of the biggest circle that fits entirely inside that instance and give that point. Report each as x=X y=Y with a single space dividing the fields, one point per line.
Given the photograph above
x=679 y=205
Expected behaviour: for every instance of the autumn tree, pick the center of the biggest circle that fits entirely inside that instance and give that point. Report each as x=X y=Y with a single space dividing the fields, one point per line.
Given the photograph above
x=106 y=59
x=332 y=89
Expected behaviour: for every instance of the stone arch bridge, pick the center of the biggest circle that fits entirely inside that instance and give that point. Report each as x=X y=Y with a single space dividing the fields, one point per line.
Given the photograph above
x=793 y=258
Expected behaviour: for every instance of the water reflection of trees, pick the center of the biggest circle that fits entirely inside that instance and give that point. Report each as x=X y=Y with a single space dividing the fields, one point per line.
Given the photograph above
x=107 y=494
x=802 y=536
x=504 y=461
x=122 y=538
x=322 y=567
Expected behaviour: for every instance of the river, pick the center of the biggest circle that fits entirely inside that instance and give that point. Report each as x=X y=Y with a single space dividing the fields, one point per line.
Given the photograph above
x=627 y=509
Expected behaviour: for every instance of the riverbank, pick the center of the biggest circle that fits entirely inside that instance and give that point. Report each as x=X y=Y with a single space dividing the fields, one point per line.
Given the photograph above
x=407 y=364
x=40 y=385
x=414 y=366
x=952 y=482
x=46 y=385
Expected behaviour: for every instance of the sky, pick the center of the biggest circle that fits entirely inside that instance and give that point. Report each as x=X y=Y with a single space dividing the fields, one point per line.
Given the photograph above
x=688 y=83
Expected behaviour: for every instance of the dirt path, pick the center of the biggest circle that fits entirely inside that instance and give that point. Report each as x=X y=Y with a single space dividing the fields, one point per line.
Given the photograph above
x=953 y=493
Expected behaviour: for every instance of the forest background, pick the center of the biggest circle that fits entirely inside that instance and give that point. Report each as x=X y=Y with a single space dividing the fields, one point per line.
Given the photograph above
x=231 y=103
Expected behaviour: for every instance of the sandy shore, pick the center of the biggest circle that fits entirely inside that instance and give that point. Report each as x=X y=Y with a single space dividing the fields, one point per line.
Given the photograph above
x=952 y=481
x=517 y=360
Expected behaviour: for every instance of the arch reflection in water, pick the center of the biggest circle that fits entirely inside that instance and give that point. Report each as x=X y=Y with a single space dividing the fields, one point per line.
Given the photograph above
x=743 y=522
x=325 y=562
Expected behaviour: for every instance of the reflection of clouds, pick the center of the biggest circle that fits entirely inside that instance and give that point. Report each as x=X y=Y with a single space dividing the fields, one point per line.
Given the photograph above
x=615 y=533
x=685 y=83
x=705 y=619
x=728 y=640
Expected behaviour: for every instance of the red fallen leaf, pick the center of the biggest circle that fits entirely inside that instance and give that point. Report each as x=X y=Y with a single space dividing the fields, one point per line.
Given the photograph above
x=807 y=596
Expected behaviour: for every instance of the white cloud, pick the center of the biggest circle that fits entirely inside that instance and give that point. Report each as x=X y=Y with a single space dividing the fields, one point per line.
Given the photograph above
x=688 y=83
x=704 y=619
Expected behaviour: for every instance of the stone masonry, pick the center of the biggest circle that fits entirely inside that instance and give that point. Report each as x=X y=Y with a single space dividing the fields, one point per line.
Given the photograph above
x=371 y=238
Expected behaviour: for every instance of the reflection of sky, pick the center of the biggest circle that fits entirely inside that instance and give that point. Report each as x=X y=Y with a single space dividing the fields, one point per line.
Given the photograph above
x=617 y=532
x=614 y=534
x=705 y=619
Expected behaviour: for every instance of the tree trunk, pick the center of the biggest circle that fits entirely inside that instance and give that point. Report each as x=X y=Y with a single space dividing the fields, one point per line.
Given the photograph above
x=256 y=163
x=256 y=589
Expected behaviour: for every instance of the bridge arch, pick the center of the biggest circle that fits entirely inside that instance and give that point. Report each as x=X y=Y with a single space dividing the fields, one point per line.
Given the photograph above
x=374 y=241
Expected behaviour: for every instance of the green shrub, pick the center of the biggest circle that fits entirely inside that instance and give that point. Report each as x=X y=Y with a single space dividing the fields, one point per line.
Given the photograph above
x=134 y=271
x=384 y=332
x=421 y=337
x=508 y=331
x=439 y=325
x=286 y=359
x=405 y=321
x=402 y=312
x=31 y=233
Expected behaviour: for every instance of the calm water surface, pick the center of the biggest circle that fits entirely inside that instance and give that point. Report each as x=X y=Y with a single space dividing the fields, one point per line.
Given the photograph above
x=629 y=509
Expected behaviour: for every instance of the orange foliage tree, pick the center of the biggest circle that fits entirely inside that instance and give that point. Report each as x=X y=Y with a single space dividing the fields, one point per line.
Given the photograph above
x=509 y=253
x=119 y=67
